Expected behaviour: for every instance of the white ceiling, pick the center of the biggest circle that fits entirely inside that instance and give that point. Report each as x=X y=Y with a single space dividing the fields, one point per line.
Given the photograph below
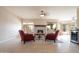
x=52 y=12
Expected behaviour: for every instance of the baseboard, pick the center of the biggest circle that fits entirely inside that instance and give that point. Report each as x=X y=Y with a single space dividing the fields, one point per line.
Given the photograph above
x=7 y=39
x=74 y=42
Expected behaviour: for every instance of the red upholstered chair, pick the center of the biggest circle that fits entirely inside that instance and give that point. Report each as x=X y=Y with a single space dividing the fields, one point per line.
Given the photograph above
x=52 y=36
x=26 y=37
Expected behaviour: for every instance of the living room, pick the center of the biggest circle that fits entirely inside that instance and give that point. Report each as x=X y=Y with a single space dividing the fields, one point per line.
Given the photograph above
x=39 y=21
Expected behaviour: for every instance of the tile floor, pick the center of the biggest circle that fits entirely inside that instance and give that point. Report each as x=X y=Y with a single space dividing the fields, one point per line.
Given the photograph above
x=63 y=45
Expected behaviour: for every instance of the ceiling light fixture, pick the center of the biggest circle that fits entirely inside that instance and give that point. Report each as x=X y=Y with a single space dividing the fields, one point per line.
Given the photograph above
x=42 y=13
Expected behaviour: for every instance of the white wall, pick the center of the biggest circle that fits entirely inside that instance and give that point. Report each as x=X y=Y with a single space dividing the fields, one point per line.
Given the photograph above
x=9 y=25
x=39 y=21
x=78 y=17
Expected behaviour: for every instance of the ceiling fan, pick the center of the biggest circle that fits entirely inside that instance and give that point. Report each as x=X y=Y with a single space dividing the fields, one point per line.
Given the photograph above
x=42 y=13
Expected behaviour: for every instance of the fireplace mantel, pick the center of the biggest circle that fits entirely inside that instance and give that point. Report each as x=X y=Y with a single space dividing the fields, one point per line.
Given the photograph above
x=40 y=25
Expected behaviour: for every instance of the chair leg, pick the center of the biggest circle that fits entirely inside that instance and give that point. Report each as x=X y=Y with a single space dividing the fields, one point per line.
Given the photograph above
x=54 y=41
x=24 y=42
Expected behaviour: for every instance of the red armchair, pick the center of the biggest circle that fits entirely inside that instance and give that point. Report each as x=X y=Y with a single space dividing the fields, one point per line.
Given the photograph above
x=52 y=36
x=26 y=37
